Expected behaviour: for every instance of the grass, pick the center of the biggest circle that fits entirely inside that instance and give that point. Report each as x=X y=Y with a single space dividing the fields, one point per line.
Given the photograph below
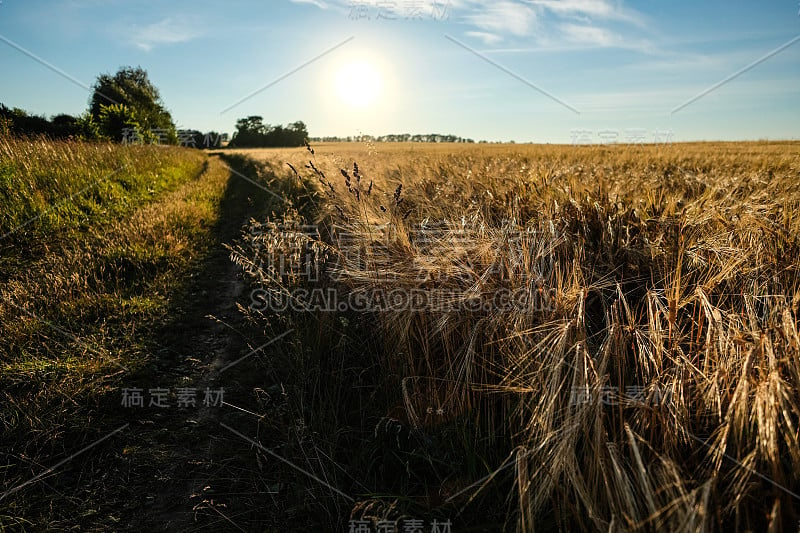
x=54 y=187
x=646 y=380
x=84 y=285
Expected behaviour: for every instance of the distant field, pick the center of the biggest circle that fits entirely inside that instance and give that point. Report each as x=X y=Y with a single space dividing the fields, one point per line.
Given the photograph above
x=645 y=375
x=744 y=151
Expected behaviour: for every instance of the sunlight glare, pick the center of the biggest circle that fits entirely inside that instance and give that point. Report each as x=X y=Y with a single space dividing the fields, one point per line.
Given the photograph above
x=358 y=84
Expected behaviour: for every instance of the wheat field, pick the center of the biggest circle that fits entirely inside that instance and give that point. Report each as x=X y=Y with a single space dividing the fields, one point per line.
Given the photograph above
x=641 y=370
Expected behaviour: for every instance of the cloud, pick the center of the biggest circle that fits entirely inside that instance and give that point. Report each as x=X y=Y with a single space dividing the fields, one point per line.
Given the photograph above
x=550 y=23
x=589 y=35
x=505 y=18
x=571 y=24
x=166 y=31
x=583 y=7
x=486 y=37
x=319 y=3
x=590 y=9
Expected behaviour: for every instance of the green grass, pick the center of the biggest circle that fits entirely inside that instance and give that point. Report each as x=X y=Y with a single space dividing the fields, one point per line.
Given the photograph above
x=56 y=187
x=83 y=289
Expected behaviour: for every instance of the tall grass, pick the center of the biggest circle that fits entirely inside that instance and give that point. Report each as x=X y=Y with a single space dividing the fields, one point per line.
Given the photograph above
x=650 y=378
x=47 y=186
x=97 y=238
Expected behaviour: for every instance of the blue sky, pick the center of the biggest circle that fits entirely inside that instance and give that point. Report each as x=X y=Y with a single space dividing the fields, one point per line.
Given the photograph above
x=527 y=70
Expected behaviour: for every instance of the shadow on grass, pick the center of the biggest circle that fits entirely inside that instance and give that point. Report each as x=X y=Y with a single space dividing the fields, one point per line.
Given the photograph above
x=184 y=468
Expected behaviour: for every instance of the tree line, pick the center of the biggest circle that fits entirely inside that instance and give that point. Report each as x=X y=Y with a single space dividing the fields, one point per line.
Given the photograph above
x=127 y=108
x=251 y=132
x=398 y=137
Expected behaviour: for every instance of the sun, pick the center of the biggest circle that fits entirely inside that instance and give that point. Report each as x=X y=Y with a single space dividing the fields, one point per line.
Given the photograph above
x=359 y=83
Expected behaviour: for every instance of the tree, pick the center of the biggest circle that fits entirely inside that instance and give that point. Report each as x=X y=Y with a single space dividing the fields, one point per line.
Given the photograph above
x=24 y=124
x=131 y=88
x=118 y=122
x=88 y=129
x=298 y=133
x=252 y=132
x=19 y=122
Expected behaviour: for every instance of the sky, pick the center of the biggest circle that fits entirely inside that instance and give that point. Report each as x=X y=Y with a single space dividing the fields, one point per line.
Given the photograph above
x=545 y=71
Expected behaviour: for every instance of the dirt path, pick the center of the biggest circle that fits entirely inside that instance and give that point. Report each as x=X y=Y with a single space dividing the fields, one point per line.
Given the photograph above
x=190 y=491
x=184 y=473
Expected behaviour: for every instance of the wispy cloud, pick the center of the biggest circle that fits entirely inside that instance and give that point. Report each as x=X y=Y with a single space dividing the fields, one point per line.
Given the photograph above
x=557 y=24
x=503 y=18
x=319 y=3
x=486 y=37
x=165 y=31
x=591 y=9
x=589 y=35
x=550 y=23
